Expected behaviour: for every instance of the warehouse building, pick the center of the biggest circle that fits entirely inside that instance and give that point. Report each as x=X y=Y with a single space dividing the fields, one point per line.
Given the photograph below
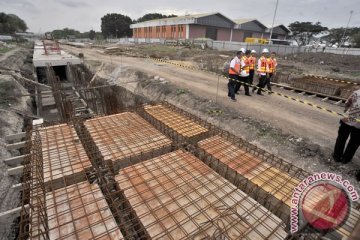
x=214 y=26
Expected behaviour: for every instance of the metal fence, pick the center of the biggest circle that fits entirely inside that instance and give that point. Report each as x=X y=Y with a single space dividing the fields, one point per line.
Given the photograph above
x=281 y=50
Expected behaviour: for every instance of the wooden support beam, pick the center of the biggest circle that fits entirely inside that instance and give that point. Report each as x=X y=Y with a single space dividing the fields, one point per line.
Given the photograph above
x=11 y=213
x=17 y=187
x=324 y=99
x=16 y=136
x=14 y=161
x=337 y=103
x=15 y=146
x=16 y=171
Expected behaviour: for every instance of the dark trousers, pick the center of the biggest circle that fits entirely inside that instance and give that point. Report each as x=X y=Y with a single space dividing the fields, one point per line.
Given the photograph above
x=244 y=81
x=268 y=81
x=261 y=84
x=231 y=85
x=251 y=76
x=343 y=134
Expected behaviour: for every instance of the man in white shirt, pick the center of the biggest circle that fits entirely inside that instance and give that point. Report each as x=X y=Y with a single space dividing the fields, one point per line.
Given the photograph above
x=349 y=126
x=244 y=73
x=234 y=72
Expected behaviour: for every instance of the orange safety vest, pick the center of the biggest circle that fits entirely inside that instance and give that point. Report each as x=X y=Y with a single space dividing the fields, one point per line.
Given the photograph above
x=247 y=62
x=252 y=61
x=274 y=64
x=263 y=64
x=237 y=68
x=270 y=63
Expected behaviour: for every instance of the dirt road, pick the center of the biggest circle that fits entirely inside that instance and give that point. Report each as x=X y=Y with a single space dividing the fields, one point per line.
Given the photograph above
x=298 y=133
x=320 y=127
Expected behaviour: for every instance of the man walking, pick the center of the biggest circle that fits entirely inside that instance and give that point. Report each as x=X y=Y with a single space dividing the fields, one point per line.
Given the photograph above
x=262 y=69
x=234 y=72
x=349 y=126
x=244 y=73
x=252 y=62
x=271 y=61
x=238 y=84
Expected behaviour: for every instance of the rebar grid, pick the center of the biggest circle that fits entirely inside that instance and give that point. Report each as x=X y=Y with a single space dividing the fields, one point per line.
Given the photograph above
x=176 y=196
x=184 y=126
x=126 y=135
x=269 y=186
x=64 y=158
x=257 y=152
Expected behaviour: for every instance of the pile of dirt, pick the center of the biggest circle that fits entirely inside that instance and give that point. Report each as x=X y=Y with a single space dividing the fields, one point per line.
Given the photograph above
x=336 y=61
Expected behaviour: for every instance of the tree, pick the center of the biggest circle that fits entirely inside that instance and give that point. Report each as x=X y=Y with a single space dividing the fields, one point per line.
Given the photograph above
x=65 y=33
x=151 y=16
x=336 y=34
x=92 y=34
x=10 y=24
x=116 y=25
x=303 y=32
x=356 y=40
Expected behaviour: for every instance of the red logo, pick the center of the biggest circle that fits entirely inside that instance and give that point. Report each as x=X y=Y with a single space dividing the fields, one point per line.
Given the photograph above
x=325 y=206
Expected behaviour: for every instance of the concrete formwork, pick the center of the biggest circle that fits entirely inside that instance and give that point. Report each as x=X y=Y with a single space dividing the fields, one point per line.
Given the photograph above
x=79 y=211
x=64 y=158
x=176 y=196
x=126 y=135
x=184 y=126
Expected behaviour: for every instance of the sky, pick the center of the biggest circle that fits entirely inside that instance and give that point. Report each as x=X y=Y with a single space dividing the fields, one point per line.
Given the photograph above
x=84 y=15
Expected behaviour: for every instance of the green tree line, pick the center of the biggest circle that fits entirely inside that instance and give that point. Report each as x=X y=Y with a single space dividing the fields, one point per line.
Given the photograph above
x=10 y=24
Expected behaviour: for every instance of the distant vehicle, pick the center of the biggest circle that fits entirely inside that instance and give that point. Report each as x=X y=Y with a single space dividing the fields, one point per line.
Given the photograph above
x=256 y=40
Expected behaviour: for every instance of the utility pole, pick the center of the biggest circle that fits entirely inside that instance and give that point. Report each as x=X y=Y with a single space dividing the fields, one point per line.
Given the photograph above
x=347 y=25
x=272 y=26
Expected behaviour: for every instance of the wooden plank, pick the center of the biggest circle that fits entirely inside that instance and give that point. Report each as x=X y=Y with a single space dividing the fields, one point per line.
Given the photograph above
x=10 y=213
x=15 y=171
x=14 y=161
x=15 y=146
x=16 y=136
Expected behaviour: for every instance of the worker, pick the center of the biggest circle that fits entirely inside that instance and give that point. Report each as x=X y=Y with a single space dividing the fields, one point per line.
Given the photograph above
x=349 y=126
x=252 y=63
x=262 y=69
x=244 y=73
x=238 y=84
x=234 y=72
x=272 y=63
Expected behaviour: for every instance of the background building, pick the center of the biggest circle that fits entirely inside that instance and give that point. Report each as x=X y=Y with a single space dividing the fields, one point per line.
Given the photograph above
x=214 y=26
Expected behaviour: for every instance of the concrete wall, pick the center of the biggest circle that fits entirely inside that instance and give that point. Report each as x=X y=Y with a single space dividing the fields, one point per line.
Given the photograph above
x=162 y=32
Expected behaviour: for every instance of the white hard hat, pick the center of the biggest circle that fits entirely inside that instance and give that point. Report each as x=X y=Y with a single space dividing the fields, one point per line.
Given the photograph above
x=253 y=51
x=242 y=50
x=265 y=50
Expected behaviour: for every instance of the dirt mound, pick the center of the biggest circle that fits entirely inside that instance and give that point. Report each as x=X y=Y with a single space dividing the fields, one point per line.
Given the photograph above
x=347 y=62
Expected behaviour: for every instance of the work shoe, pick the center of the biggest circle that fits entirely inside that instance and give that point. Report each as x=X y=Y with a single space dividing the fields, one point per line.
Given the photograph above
x=233 y=99
x=248 y=95
x=260 y=94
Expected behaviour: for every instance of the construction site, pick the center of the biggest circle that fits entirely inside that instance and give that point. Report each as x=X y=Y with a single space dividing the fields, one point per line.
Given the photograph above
x=111 y=151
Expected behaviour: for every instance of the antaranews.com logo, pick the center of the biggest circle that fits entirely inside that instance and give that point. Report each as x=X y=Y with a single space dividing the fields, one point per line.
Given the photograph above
x=322 y=200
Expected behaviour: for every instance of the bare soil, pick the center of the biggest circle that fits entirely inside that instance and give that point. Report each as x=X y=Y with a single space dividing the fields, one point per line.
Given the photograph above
x=11 y=96
x=298 y=133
